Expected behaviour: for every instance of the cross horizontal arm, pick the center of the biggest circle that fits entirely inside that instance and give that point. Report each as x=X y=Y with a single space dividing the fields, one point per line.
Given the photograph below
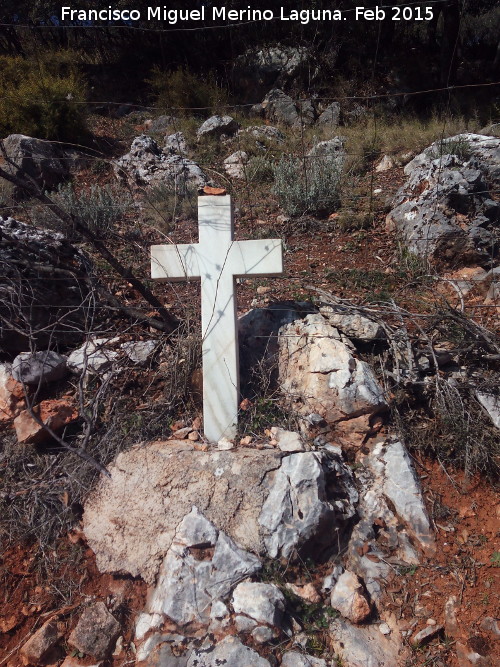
x=257 y=258
x=175 y=262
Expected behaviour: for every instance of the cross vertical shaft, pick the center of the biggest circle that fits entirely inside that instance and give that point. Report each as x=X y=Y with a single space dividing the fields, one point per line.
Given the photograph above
x=217 y=259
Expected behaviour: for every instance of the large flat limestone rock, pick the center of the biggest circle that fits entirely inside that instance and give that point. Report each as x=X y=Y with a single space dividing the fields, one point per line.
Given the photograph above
x=267 y=502
x=131 y=519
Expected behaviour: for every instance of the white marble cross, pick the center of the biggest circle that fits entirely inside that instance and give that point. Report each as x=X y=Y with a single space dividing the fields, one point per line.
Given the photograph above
x=217 y=259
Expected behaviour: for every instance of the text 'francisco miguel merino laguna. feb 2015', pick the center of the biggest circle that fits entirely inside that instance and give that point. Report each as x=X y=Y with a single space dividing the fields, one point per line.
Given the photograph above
x=222 y=14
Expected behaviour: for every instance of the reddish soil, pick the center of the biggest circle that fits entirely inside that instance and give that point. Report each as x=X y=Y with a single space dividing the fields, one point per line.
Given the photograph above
x=30 y=598
x=466 y=518
x=467 y=523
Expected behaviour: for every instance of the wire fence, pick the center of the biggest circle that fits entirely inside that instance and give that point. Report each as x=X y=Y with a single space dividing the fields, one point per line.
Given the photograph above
x=357 y=195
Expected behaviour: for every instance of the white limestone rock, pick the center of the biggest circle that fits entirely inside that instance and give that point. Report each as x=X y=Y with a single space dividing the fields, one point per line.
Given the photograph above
x=296 y=659
x=244 y=624
x=485 y=149
x=297 y=510
x=225 y=444
x=37 y=158
x=39 y=367
x=219 y=616
x=491 y=403
x=353 y=324
x=230 y=652
x=331 y=579
x=145 y=623
x=147 y=164
x=349 y=599
x=306 y=111
x=93 y=356
x=228 y=487
x=268 y=503
x=385 y=164
x=161 y=124
x=263 y=603
x=329 y=148
x=425 y=635
x=280 y=108
x=319 y=373
x=263 y=134
x=217 y=125
x=391 y=461
x=288 y=441
x=234 y=165
x=176 y=143
x=330 y=117
x=187 y=585
x=365 y=646
x=167 y=650
x=139 y=351
x=272 y=65
x=391 y=498
x=444 y=211
x=263 y=634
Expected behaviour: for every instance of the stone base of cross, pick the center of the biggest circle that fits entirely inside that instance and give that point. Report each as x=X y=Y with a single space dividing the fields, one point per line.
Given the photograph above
x=217 y=260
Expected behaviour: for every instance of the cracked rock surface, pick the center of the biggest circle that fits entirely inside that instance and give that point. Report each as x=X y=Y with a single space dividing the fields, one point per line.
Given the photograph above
x=202 y=565
x=393 y=520
x=319 y=373
x=147 y=164
x=444 y=211
x=161 y=482
x=364 y=646
x=230 y=651
x=298 y=510
x=265 y=501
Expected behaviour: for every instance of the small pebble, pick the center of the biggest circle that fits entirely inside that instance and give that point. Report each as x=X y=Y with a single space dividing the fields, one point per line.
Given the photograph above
x=225 y=444
x=384 y=629
x=431 y=621
x=182 y=433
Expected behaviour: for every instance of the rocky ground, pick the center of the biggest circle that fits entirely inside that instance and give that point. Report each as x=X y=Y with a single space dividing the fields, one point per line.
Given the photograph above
x=314 y=538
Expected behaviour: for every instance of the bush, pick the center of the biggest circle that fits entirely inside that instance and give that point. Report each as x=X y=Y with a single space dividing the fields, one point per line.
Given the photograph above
x=182 y=92
x=259 y=170
x=163 y=204
x=42 y=100
x=98 y=208
x=308 y=185
x=458 y=434
x=459 y=147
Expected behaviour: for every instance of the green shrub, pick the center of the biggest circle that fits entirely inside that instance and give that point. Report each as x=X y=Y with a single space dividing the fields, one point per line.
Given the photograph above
x=163 y=204
x=459 y=147
x=42 y=100
x=308 y=185
x=259 y=170
x=184 y=93
x=98 y=207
